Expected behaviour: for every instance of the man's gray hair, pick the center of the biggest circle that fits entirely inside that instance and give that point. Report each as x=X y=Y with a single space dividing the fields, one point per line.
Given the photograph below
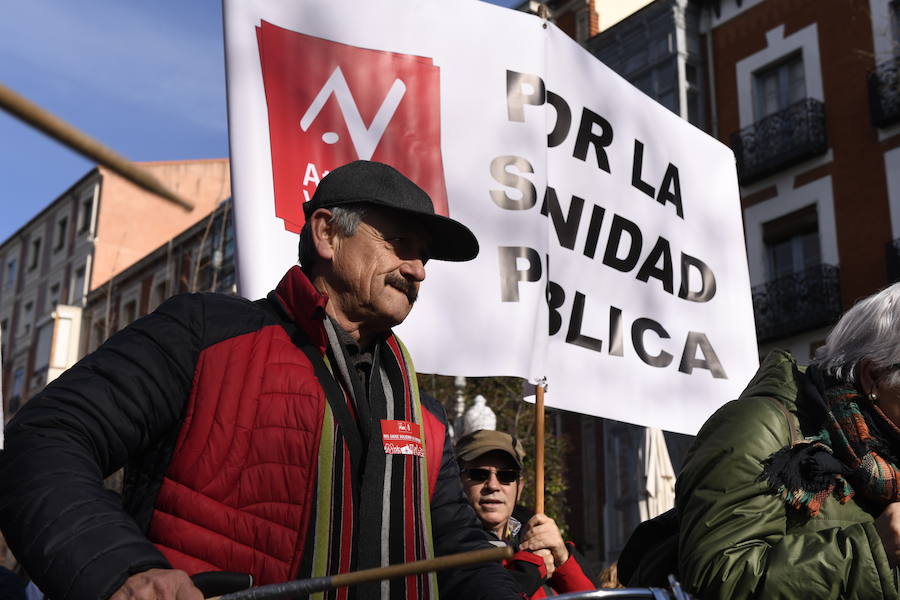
x=346 y=220
x=870 y=330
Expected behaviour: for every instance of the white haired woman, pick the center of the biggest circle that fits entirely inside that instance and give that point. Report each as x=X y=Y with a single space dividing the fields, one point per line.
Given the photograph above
x=791 y=491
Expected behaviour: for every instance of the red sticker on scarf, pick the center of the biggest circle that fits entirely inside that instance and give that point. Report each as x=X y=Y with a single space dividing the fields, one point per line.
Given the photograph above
x=402 y=437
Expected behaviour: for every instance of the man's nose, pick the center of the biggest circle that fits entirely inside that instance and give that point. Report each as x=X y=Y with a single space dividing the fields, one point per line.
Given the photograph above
x=492 y=483
x=413 y=269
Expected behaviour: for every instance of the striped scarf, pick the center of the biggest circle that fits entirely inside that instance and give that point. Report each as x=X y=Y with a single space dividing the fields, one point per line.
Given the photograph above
x=371 y=509
x=855 y=451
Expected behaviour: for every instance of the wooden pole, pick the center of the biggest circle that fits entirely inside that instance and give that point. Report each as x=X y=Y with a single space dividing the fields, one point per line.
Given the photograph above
x=80 y=142
x=300 y=588
x=539 y=448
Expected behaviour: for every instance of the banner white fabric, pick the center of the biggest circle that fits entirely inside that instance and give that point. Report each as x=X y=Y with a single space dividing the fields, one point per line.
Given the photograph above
x=612 y=251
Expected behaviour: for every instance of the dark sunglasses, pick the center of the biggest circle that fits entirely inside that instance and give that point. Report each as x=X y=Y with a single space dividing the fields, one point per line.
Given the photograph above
x=480 y=475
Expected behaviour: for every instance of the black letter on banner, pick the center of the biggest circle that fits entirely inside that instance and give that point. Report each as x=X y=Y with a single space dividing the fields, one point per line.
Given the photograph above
x=566 y=227
x=586 y=137
x=708 y=280
x=513 y=180
x=663 y=359
x=563 y=120
x=510 y=275
x=516 y=98
x=665 y=273
x=636 y=169
x=593 y=232
x=610 y=257
x=689 y=360
x=555 y=298
x=670 y=179
x=574 y=335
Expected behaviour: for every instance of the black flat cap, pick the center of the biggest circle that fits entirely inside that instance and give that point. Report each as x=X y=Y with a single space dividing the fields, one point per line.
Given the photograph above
x=378 y=184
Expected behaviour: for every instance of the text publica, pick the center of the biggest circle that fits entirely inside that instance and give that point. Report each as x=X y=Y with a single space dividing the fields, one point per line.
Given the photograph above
x=622 y=250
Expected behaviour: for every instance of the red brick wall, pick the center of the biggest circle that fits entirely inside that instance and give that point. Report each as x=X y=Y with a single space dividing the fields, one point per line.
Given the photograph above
x=858 y=178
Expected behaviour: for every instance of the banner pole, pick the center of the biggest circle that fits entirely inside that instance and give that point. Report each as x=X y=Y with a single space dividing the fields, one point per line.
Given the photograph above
x=301 y=588
x=539 y=448
x=42 y=120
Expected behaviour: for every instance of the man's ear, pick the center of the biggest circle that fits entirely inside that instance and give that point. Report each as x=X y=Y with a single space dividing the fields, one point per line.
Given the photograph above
x=519 y=488
x=323 y=233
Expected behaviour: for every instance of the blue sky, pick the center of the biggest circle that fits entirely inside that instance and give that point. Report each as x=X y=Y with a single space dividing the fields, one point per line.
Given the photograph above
x=146 y=79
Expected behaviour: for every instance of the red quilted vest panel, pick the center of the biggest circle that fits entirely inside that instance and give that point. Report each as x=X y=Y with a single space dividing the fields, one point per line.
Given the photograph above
x=237 y=492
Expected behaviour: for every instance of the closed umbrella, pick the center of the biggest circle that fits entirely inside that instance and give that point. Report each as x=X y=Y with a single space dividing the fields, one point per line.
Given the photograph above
x=658 y=494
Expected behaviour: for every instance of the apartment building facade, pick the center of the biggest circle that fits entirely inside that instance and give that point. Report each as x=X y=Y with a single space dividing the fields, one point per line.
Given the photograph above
x=806 y=94
x=199 y=259
x=94 y=230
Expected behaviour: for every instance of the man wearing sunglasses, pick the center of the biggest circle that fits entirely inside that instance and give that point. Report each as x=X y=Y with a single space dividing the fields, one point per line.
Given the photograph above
x=491 y=465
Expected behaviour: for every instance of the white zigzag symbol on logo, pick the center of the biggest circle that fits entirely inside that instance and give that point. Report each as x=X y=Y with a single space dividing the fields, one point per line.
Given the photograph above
x=365 y=139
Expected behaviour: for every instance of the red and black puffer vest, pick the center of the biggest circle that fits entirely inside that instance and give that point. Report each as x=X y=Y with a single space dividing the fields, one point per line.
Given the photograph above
x=237 y=493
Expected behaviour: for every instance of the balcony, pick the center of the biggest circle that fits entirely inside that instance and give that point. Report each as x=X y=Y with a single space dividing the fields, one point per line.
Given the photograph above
x=884 y=93
x=796 y=303
x=780 y=140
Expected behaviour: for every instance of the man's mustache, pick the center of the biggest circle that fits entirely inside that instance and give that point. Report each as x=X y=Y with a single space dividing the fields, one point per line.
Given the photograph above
x=404 y=285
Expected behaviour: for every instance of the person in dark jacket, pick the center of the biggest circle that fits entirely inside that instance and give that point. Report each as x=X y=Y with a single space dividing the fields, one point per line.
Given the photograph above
x=793 y=490
x=491 y=464
x=283 y=438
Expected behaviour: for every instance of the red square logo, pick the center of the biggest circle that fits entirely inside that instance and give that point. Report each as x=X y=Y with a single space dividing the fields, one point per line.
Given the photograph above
x=330 y=104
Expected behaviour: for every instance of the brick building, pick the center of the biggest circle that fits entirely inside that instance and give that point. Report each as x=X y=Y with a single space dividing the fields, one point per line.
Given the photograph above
x=94 y=230
x=806 y=94
x=199 y=259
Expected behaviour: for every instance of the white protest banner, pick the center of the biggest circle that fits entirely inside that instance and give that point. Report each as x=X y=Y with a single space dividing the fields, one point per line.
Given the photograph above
x=612 y=255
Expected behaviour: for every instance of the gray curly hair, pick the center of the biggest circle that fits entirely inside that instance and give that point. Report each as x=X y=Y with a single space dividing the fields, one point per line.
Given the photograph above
x=346 y=220
x=870 y=330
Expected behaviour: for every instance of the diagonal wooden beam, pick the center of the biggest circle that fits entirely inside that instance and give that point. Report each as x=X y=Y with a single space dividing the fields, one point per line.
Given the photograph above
x=29 y=112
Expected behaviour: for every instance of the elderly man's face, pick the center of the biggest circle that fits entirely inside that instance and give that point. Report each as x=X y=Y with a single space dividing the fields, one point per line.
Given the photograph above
x=493 y=498
x=379 y=269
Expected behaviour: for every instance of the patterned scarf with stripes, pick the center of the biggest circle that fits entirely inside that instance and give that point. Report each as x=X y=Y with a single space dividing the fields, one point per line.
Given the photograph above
x=371 y=509
x=854 y=453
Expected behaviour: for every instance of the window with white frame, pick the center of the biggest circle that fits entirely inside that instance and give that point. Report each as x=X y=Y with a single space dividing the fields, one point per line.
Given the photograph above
x=10 y=279
x=53 y=299
x=16 y=389
x=77 y=288
x=85 y=212
x=35 y=254
x=42 y=348
x=98 y=335
x=128 y=313
x=777 y=86
x=792 y=243
x=62 y=227
x=27 y=318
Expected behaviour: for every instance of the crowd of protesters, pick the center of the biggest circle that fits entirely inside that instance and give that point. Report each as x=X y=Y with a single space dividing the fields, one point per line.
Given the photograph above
x=259 y=438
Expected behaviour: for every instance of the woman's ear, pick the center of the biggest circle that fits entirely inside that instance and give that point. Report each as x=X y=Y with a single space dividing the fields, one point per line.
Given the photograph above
x=867 y=376
x=323 y=234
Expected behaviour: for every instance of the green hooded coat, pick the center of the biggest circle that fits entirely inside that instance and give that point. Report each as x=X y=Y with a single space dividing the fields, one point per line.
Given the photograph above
x=736 y=540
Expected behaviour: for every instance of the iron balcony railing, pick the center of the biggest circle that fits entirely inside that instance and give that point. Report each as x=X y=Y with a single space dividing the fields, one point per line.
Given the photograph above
x=884 y=93
x=798 y=302
x=780 y=140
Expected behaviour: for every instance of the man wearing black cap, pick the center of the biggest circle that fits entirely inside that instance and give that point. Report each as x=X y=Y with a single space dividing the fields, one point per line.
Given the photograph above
x=491 y=464
x=284 y=438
